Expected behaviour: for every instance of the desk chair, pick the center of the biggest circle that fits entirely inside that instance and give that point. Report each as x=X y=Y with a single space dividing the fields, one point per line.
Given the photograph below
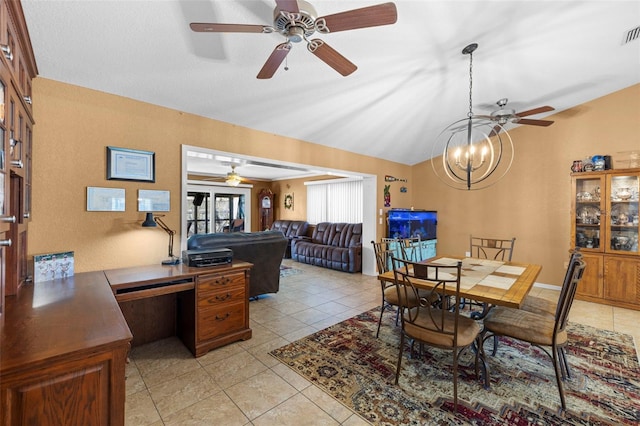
x=433 y=324
x=538 y=329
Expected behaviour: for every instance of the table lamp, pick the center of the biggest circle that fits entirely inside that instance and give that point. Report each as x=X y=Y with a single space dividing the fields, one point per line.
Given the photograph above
x=151 y=221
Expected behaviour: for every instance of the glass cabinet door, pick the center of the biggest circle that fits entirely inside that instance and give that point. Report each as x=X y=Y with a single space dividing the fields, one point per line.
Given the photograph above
x=588 y=208
x=622 y=220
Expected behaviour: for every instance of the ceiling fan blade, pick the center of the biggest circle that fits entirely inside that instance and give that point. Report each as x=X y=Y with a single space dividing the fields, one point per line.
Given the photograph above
x=288 y=5
x=275 y=59
x=535 y=111
x=331 y=57
x=203 y=27
x=372 y=16
x=544 y=123
x=496 y=129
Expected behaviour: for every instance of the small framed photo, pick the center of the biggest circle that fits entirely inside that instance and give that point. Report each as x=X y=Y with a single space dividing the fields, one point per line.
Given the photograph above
x=154 y=201
x=51 y=266
x=105 y=199
x=130 y=164
x=288 y=201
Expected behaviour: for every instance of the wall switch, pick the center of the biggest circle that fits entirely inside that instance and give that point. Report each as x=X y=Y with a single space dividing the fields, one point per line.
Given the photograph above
x=380 y=212
x=380 y=219
x=467 y=253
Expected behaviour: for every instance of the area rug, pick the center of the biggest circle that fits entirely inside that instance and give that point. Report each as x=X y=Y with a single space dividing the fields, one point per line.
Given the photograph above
x=286 y=271
x=350 y=364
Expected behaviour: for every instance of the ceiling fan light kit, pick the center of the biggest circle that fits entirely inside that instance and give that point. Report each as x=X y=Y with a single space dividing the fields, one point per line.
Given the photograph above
x=297 y=21
x=233 y=179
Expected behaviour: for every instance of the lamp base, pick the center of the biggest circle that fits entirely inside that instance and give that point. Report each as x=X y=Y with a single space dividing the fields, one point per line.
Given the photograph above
x=171 y=261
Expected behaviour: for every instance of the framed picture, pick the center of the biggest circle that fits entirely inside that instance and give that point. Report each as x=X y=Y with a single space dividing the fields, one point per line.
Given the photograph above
x=105 y=199
x=153 y=201
x=52 y=266
x=130 y=164
x=288 y=201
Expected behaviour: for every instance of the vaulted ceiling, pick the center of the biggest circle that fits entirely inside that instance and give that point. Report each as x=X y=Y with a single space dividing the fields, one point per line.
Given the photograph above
x=411 y=82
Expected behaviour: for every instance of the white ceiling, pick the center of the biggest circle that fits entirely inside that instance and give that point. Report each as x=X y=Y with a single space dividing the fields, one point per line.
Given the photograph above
x=412 y=79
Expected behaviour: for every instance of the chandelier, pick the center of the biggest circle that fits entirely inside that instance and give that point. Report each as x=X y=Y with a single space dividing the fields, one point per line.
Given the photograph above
x=474 y=152
x=233 y=179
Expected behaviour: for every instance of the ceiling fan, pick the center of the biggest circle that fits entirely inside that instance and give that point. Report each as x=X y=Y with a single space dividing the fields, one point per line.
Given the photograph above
x=297 y=20
x=233 y=178
x=506 y=115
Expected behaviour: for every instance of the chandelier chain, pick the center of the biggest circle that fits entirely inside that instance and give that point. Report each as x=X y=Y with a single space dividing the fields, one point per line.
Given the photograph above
x=470 y=84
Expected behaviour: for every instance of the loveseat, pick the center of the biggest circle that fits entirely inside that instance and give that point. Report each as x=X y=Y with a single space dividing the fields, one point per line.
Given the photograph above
x=291 y=229
x=332 y=245
x=263 y=249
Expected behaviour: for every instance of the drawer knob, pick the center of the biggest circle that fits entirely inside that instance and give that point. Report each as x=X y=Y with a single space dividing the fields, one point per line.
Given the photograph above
x=8 y=219
x=223 y=298
x=223 y=281
x=222 y=318
x=5 y=243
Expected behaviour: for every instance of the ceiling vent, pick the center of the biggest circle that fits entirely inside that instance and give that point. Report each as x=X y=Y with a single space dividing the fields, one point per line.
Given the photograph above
x=631 y=35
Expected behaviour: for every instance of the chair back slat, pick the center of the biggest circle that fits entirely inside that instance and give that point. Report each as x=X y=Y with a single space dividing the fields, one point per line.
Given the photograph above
x=491 y=248
x=384 y=253
x=572 y=278
x=444 y=281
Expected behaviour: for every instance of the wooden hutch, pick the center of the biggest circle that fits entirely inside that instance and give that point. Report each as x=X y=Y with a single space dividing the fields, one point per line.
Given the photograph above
x=604 y=225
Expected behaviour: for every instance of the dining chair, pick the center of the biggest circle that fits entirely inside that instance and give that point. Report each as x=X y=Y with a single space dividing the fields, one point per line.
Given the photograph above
x=411 y=248
x=539 y=329
x=385 y=251
x=491 y=248
x=437 y=325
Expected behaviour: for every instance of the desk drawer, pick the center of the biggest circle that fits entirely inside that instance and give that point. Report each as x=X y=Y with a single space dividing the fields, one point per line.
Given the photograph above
x=217 y=282
x=217 y=321
x=227 y=296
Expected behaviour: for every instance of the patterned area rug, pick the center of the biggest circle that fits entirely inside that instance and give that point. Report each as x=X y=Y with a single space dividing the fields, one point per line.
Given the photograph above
x=286 y=271
x=350 y=364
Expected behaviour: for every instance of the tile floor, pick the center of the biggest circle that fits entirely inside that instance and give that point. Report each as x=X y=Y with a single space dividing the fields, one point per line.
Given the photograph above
x=241 y=384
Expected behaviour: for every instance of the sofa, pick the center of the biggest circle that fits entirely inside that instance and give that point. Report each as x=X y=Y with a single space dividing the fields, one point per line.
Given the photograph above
x=264 y=249
x=291 y=229
x=332 y=245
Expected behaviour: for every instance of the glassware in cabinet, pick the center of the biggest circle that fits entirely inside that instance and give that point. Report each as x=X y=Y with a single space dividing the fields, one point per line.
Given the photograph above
x=622 y=223
x=588 y=205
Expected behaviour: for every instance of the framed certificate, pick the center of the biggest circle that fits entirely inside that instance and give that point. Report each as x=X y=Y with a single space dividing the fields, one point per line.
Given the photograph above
x=130 y=164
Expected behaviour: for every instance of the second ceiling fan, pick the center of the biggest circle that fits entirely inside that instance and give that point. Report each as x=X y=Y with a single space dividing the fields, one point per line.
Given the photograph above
x=297 y=20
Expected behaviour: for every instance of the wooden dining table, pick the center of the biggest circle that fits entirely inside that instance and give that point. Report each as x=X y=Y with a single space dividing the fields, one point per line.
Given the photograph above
x=484 y=280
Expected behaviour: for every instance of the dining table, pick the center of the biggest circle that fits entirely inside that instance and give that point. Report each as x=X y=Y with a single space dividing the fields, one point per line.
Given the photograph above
x=491 y=282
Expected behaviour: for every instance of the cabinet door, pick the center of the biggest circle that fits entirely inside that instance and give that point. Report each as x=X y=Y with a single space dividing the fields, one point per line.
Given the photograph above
x=587 y=206
x=622 y=220
x=622 y=279
x=592 y=283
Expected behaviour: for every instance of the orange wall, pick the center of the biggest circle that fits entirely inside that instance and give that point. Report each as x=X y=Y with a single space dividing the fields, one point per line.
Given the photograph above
x=73 y=127
x=533 y=201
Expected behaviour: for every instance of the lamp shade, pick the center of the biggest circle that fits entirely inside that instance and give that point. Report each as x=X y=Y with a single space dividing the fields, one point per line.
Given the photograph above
x=148 y=221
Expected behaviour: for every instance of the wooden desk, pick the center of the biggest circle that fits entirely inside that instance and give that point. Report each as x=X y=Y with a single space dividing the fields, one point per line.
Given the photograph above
x=205 y=307
x=492 y=282
x=64 y=345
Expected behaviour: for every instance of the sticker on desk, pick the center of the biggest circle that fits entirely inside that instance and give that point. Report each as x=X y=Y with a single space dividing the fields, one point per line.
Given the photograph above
x=511 y=270
x=497 y=282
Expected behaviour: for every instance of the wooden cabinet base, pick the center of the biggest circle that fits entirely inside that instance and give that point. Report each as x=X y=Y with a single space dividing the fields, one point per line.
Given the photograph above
x=88 y=391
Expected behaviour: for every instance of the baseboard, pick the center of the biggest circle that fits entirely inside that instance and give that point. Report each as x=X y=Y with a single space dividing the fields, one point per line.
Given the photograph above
x=547 y=286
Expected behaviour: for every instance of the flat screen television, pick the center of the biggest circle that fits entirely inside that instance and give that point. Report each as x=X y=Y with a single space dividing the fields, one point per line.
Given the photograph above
x=407 y=223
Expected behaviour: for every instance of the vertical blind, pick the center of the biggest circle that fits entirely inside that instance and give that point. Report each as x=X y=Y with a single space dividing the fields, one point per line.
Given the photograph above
x=334 y=201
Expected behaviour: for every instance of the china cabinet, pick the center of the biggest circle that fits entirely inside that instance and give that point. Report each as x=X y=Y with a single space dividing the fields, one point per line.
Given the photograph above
x=17 y=69
x=604 y=225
